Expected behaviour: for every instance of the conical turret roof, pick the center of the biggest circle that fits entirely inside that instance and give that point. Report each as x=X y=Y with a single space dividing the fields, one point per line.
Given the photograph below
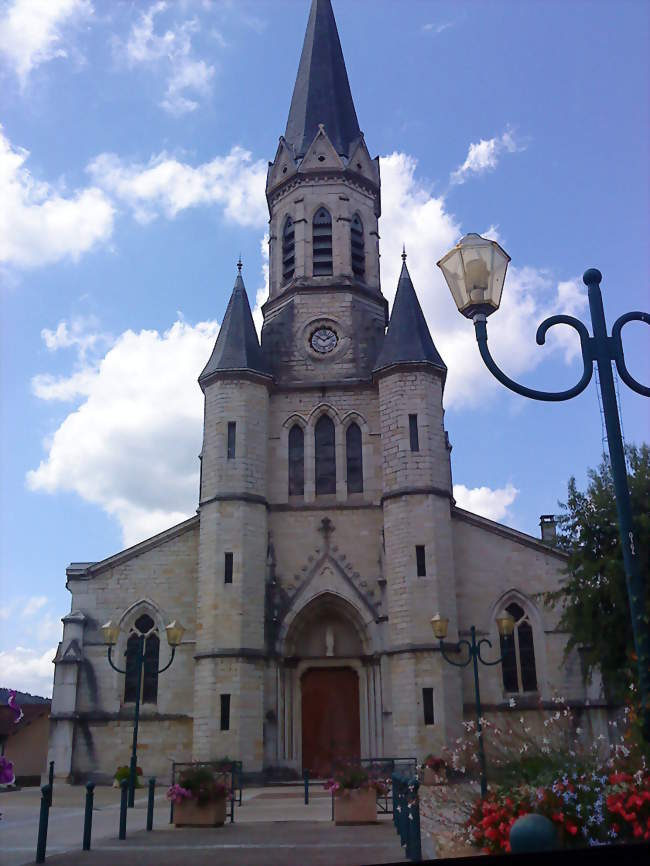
x=322 y=90
x=237 y=347
x=408 y=339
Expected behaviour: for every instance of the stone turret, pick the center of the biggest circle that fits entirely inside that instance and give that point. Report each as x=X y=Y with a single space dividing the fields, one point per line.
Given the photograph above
x=323 y=193
x=417 y=520
x=232 y=542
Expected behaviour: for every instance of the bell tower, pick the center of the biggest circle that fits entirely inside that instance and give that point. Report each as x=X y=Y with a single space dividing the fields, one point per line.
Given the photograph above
x=325 y=317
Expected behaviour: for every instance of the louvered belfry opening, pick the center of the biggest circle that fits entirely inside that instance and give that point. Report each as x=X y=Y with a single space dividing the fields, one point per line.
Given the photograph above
x=358 y=248
x=322 y=245
x=288 y=250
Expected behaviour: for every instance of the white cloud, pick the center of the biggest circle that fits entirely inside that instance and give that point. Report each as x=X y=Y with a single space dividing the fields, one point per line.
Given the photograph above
x=485 y=501
x=168 y=186
x=484 y=156
x=432 y=27
x=131 y=446
x=40 y=225
x=173 y=50
x=32 y=31
x=413 y=215
x=28 y=670
x=34 y=604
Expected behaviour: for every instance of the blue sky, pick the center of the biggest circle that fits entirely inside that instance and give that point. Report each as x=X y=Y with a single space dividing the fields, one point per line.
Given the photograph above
x=133 y=149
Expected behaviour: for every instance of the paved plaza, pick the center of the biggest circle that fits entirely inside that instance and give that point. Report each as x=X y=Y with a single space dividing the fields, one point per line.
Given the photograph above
x=273 y=827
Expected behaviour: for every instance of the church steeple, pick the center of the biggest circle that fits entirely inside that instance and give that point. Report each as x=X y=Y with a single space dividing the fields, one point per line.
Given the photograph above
x=408 y=339
x=322 y=92
x=237 y=348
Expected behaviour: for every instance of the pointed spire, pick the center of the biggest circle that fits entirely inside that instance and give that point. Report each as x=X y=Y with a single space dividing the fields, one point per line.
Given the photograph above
x=408 y=339
x=237 y=347
x=322 y=92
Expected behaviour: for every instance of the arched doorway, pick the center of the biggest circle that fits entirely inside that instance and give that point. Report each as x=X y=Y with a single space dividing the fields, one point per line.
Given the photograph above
x=328 y=687
x=331 y=725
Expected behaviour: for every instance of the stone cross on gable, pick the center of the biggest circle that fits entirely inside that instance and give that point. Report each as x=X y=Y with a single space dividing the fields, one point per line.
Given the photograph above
x=326 y=528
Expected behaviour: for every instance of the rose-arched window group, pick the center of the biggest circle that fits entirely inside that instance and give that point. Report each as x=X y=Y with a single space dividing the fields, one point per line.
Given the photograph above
x=325 y=458
x=143 y=626
x=322 y=246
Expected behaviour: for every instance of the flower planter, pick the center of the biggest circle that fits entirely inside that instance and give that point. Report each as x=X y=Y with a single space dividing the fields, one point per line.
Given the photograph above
x=429 y=776
x=355 y=806
x=188 y=813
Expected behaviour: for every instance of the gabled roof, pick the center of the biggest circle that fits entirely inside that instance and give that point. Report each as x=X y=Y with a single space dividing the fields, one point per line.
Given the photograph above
x=237 y=347
x=408 y=340
x=322 y=90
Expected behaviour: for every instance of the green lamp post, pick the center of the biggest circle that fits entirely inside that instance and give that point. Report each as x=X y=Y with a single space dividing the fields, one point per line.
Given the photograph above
x=475 y=271
x=505 y=626
x=111 y=632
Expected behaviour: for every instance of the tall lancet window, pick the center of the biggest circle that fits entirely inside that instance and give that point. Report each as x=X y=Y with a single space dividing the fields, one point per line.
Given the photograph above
x=296 y=461
x=519 y=674
x=358 y=248
x=354 y=458
x=288 y=250
x=322 y=245
x=144 y=625
x=325 y=456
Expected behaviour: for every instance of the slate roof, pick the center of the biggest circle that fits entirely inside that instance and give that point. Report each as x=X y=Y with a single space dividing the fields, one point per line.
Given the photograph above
x=408 y=340
x=237 y=347
x=322 y=90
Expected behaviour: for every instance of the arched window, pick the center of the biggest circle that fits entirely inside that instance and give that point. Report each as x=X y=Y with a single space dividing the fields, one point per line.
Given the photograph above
x=144 y=625
x=325 y=456
x=296 y=461
x=519 y=674
x=322 y=242
x=288 y=250
x=358 y=247
x=354 y=459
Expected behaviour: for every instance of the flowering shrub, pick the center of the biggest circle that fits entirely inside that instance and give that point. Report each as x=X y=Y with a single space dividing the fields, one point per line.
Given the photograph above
x=588 y=809
x=125 y=772
x=433 y=763
x=355 y=777
x=594 y=792
x=628 y=806
x=6 y=771
x=197 y=783
x=176 y=793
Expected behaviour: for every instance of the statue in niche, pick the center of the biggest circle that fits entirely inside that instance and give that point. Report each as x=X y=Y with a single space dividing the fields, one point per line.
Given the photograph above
x=329 y=641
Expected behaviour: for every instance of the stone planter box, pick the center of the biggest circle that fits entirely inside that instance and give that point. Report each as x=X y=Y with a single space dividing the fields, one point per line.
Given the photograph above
x=428 y=776
x=188 y=813
x=355 y=806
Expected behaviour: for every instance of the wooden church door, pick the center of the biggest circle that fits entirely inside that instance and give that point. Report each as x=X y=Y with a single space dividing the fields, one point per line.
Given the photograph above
x=330 y=719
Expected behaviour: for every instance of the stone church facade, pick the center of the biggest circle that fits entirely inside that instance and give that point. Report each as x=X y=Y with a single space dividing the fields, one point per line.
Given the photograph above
x=326 y=534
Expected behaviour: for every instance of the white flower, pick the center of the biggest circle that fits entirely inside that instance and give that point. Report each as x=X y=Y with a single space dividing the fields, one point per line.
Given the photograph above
x=512 y=702
x=578 y=731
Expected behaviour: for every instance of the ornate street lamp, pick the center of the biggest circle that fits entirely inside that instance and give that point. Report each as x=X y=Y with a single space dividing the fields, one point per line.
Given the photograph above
x=111 y=632
x=505 y=625
x=475 y=271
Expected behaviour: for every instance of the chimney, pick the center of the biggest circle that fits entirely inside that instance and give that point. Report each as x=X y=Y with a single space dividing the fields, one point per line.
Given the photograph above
x=548 y=525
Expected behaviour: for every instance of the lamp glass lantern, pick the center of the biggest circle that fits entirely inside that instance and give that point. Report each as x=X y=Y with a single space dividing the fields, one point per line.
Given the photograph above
x=505 y=624
x=175 y=632
x=475 y=271
x=439 y=624
x=111 y=632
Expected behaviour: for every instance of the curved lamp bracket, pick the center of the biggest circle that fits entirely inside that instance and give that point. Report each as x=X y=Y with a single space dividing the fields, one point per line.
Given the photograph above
x=617 y=351
x=480 y=657
x=480 y=326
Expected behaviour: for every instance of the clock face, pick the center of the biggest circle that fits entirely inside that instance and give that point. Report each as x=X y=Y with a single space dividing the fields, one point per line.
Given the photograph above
x=323 y=340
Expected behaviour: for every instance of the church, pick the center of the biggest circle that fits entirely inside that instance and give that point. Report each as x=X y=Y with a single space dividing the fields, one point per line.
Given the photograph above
x=326 y=535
